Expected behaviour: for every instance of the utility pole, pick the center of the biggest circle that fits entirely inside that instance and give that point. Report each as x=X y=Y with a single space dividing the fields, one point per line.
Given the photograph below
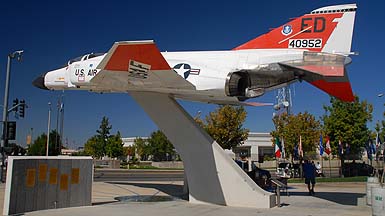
x=4 y=138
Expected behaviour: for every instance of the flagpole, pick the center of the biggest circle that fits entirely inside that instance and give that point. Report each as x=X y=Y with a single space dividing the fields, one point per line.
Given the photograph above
x=330 y=167
x=321 y=152
x=322 y=164
x=328 y=151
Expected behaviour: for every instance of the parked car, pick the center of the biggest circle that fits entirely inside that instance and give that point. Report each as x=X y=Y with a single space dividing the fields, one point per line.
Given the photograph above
x=260 y=176
x=286 y=170
x=357 y=169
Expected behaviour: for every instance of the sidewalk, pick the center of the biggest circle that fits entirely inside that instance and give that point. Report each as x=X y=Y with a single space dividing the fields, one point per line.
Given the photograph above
x=330 y=199
x=106 y=192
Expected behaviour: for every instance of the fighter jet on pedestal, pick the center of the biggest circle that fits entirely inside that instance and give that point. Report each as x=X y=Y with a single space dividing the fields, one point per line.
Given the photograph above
x=314 y=48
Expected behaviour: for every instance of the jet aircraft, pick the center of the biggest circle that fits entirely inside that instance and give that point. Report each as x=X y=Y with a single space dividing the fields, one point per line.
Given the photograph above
x=314 y=47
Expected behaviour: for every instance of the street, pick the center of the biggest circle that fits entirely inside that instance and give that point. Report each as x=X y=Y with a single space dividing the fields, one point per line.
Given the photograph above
x=103 y=175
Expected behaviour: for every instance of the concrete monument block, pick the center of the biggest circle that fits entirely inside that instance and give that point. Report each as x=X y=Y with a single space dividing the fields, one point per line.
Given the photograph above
x=40 y=182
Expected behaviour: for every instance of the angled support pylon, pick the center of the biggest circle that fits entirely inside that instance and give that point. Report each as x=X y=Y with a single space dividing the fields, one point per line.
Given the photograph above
x=213 y=177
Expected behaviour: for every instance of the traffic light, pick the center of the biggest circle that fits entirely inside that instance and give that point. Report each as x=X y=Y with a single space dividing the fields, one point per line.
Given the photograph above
x=11 y=130
x=15 y=105
x=22 y=108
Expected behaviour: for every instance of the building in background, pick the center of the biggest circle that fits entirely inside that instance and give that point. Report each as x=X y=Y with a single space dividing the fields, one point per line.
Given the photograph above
x=129 y=141
x=257 y=144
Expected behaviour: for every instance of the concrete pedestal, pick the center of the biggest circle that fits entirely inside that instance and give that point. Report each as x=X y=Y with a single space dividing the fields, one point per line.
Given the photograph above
x=213 y=177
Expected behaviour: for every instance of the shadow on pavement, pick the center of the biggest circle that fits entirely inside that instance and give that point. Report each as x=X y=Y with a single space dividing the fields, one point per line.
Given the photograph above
x=103 y=203
x=342 y=198
x=170 y=189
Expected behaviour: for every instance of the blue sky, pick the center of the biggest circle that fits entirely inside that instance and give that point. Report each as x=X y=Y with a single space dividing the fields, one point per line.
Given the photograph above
x=52 y=32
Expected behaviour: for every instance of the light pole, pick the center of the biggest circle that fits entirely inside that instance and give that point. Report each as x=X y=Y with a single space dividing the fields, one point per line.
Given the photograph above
x=4 y=140
x=383 y=162
x=31 y=135
x=48 y=128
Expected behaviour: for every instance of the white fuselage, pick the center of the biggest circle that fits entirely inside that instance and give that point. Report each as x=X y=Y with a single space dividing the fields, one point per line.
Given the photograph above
x=214 y=66
x=209 y=69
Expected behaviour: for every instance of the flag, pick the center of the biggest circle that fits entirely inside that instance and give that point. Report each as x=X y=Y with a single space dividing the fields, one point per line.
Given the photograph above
x=328 y=149
x=378 y=140
x=296 y=152
x=347 y=149
x=340 y=148
x=321 y=147
x=282 y=148
x=277 y=148
x=300 y=151
x=372 y=148
x=369 y=151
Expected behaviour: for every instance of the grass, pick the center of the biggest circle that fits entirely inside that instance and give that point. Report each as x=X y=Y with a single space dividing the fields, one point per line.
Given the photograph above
x=346 y=179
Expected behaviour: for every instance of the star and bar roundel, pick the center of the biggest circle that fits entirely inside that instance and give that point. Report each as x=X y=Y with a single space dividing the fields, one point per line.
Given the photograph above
x=185 y=70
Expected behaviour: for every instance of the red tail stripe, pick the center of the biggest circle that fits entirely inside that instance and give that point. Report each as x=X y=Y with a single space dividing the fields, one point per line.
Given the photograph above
x=271 y=39
x=340 y=90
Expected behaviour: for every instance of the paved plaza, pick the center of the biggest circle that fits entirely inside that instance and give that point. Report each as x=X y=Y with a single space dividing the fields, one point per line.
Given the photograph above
x=330 y=199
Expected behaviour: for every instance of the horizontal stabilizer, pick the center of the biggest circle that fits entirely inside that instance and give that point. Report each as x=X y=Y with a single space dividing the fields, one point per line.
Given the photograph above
x=325 y=71
x=340 y=90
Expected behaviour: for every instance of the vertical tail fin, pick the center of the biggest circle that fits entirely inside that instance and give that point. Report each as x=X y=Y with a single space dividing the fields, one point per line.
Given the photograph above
x=327 y=29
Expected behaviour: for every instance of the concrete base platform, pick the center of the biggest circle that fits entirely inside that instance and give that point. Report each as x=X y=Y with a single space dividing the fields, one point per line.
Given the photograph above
x=330 y=199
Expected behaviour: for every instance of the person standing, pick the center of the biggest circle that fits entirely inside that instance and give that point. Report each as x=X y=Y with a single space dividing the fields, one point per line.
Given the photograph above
x=309 y=173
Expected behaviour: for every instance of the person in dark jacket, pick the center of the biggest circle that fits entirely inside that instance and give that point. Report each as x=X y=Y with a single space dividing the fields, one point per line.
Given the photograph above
x=309 y=173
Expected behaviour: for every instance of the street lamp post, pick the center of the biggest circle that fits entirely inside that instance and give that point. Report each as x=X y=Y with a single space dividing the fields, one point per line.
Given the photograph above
x=4 y=138
x=48 y=128
x=383 y=162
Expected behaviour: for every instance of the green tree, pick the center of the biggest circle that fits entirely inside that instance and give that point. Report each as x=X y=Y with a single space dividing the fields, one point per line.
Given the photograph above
x=80 y=153
x=104 y=133
x=114 y=147
x=37 y=148
x=141 y=148
x=94 y=147
x=129 y=151
x=39 y=145
x=291 y=127
x=161 y=147
x=225 y=125
x=380 y=128
x=347 y=122
x=103 y=143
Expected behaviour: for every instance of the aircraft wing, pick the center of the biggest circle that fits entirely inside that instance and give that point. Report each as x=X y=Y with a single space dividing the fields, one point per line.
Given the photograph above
x=137 y=65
